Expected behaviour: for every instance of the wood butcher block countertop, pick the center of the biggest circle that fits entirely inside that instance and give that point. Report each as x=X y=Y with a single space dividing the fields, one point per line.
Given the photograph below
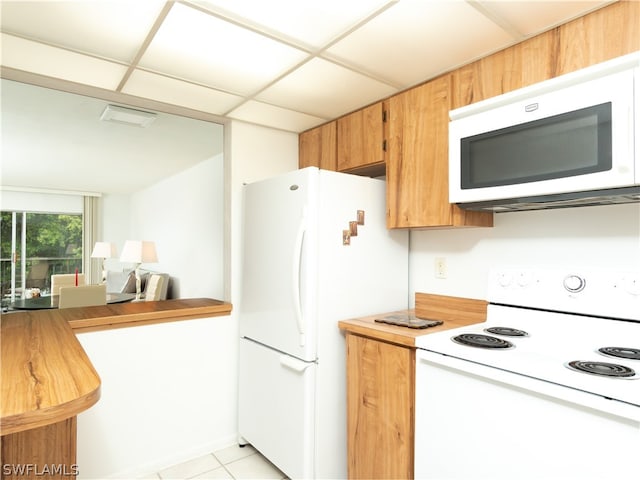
x=45 y=374
x=453 y=311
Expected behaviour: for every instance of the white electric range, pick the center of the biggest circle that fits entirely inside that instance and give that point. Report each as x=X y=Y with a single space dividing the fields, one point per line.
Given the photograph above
x=547 y=387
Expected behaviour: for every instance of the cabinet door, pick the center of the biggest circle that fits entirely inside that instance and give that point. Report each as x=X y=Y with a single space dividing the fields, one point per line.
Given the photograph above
x=380 y=409
x=604 y=34
x=418 y=161
x=360 y=139
x=488 y=77
x=317 y=147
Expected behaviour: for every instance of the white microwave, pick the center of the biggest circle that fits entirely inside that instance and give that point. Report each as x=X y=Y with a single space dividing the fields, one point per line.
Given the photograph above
x=568 y=141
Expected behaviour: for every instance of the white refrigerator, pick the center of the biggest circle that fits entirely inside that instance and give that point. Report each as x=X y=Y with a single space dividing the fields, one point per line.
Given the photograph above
x=302 y=273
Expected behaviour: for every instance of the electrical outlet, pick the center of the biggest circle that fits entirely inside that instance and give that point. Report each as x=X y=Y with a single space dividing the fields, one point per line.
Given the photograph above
x=440 y=267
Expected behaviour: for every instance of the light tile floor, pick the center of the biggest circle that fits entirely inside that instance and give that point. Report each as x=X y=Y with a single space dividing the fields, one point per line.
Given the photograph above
x=232 y=463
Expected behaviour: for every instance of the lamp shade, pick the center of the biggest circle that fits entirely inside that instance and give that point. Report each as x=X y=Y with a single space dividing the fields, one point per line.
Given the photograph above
x=139 y=251
x=103 y=250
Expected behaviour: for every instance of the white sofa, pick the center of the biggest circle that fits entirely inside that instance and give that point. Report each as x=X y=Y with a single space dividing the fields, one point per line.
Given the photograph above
x=125 y=282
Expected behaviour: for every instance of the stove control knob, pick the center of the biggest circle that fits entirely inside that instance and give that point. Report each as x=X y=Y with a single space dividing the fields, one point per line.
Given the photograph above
x=504 y=279
x=574 y=283
x=524 y=279
x=632 y=285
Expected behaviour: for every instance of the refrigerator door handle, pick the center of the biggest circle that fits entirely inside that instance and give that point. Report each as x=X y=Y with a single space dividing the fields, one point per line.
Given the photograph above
x=294 y=364
x=297 y=258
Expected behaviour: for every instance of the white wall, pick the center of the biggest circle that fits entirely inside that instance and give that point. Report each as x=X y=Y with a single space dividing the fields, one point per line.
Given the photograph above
x=116 y=225
x=603 y=236
x=168 y=395
x=169 y=391
x=184 y=215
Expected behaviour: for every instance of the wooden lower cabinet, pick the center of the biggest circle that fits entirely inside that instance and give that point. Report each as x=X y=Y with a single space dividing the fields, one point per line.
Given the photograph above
x=381 y=364
x=44 y=452
x=380 y=409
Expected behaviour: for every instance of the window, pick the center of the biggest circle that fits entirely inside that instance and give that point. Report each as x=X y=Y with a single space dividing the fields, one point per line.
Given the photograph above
x=35 y=246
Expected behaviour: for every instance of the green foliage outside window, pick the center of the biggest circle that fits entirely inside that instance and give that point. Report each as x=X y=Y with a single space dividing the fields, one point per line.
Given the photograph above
x=52 y=240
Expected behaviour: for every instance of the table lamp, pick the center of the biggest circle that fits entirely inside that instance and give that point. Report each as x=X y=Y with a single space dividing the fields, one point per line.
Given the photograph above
x=103 y=250
x=138 y=252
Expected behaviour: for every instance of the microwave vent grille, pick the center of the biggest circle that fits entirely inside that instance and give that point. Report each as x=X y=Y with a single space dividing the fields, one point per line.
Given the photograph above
x=612 y=196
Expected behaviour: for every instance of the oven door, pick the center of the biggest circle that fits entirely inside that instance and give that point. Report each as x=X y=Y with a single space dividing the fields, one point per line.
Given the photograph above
x=480 y=422
x=578 y=138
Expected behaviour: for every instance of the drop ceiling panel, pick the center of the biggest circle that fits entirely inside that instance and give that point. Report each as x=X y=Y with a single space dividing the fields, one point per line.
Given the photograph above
x=177 y=92
x=413 y=41
x=324 y=89
x=113 y=29
x=276 y=117
x=202 y=48
x=529 y=17
x=58 y=63
x=312 y=24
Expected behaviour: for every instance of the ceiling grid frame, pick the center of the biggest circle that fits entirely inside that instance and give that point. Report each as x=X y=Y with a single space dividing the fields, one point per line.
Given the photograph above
x=147 y=41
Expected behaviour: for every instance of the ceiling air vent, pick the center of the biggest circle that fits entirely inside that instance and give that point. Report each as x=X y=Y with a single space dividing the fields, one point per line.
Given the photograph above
x=127 y=116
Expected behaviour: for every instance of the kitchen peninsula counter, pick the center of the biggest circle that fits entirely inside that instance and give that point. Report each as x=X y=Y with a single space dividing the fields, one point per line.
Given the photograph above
x=119 y=315
x=46 y=375
x=381 y=366
x=46 y=381
x=47 y=378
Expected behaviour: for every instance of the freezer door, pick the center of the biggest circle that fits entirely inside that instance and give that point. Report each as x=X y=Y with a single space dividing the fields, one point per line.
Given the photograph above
x=277 y=304
x=276 y=407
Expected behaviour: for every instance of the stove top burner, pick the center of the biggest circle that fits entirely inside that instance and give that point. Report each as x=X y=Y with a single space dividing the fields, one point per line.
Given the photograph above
x=481 y=341
x=621 y=352
x=602 y=369
x=506 y=331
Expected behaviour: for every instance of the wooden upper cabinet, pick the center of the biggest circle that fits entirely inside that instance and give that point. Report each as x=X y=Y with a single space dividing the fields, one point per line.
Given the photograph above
x=360 y=141
x=488 y=77
x=604 y=34
x=418 y=161
x=417 y=126
x=317 y=147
